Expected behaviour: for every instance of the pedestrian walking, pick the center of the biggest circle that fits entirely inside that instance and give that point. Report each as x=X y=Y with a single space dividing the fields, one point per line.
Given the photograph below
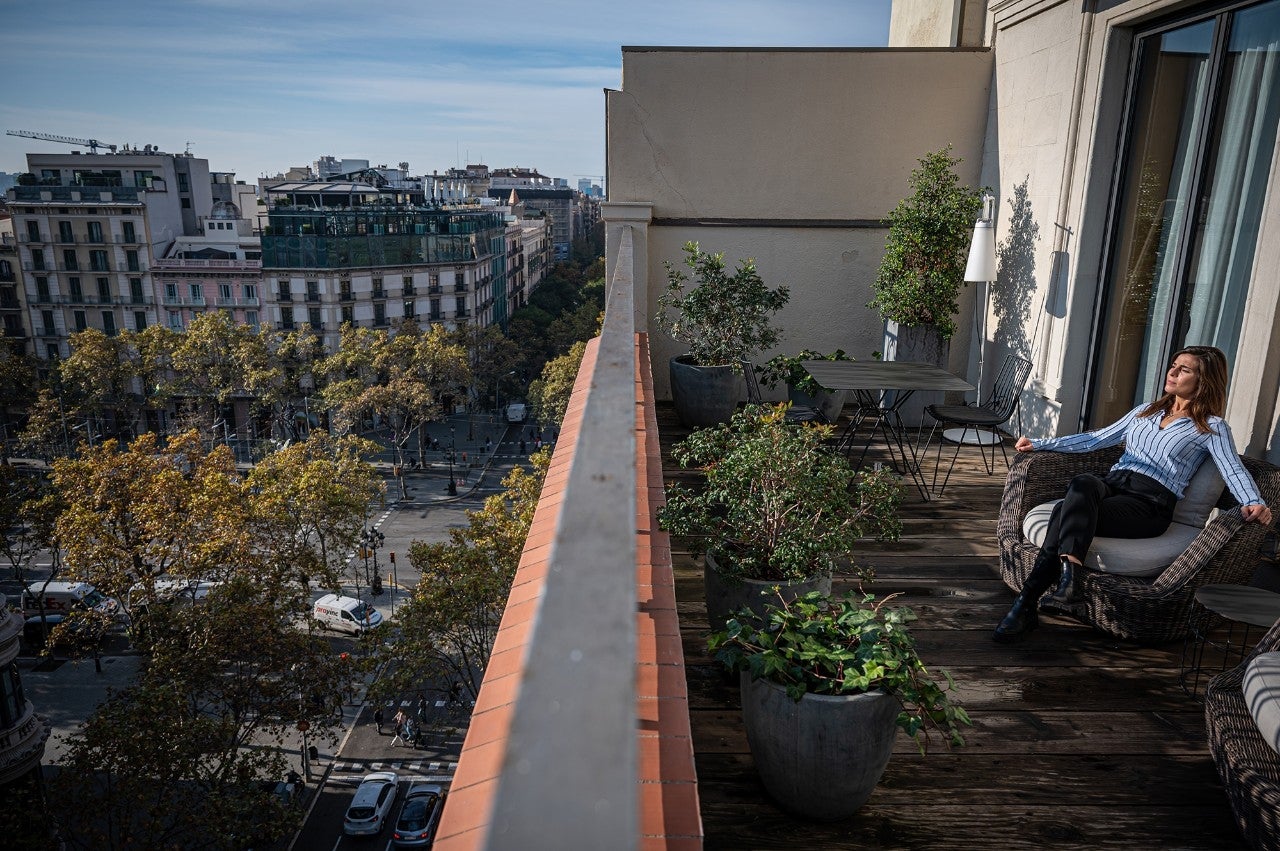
x=377 y=719
x=422 y=706
x=398 y=738
x=524 y=447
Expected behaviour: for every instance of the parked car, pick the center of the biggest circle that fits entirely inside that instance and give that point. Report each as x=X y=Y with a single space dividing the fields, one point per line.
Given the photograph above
x=419 y=816
x=371 y=805
x=36 y=633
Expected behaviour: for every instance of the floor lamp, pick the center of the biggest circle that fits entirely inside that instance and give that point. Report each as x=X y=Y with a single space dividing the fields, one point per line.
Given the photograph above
x=981 y=269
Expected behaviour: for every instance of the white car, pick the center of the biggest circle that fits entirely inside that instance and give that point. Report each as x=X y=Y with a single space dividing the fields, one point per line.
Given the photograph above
x=371 y=805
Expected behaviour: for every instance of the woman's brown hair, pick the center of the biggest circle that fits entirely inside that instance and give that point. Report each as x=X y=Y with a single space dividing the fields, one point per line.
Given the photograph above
x=1210 y=399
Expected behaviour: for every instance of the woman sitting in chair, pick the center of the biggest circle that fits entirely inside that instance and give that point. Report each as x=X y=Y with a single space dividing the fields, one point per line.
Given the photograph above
x=1165 y=441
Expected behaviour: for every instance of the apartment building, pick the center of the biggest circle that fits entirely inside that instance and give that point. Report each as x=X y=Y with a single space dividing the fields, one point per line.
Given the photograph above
x=12 y=306
x=351 y=255
x=219 y=269
x=528 y=259
x=555 y=202
x=89 y=229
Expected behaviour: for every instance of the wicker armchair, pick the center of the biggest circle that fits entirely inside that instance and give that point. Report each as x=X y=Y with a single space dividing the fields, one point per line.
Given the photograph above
x=1148 y=610
x=1249 y=768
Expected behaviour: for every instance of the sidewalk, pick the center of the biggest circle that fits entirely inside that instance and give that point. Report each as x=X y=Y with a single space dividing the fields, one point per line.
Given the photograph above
x=67 y=692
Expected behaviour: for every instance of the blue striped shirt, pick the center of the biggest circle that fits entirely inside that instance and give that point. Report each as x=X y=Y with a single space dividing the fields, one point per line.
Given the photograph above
x=1169 y=455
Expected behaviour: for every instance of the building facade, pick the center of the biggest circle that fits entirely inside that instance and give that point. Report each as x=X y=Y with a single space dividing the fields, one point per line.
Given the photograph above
x=89 y=231
x=376 y=265
x=1130 y=146
x=221 y=269
x=23 y=733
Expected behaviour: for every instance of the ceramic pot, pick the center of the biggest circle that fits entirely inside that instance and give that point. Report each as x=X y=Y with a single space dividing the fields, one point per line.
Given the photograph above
x=725 y=595
x=703 y=396
x=829 y=402
x=822 y=757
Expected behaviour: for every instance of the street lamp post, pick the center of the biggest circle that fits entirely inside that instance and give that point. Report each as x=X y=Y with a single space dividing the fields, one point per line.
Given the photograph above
x=370 y=541
x=453 y=484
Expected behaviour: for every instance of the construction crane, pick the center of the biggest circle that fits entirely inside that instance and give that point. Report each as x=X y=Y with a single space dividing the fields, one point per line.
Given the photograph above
x=91 y=144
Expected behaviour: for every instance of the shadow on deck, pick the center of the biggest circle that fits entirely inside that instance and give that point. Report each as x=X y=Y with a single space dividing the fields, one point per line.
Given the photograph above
x=1079 y=740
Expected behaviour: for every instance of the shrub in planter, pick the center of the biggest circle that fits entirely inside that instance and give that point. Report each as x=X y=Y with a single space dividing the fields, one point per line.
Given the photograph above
x=825 y=685
x=776 y=505
x=802 y=388
x=722 y=317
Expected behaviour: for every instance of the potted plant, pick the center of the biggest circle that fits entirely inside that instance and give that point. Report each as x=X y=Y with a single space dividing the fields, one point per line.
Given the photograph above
x=775 y=508
x=723 y=318
x=917 y=287
x=825 y=685
x=802 y=389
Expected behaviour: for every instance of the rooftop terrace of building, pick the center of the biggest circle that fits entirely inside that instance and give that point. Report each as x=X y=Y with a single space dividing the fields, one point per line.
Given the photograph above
x=1079 y=740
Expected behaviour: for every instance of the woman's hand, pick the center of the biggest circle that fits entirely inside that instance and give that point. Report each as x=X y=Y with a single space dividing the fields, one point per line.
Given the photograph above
x=1024 y=445
x=1256 y=514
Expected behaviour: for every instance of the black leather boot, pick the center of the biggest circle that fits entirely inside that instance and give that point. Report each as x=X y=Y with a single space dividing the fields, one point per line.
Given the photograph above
x=1061 y=599
x=1022 y=618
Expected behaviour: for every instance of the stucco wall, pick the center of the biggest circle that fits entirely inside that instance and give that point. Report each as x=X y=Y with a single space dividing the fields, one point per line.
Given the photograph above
x=791 y=157
x=924 y=23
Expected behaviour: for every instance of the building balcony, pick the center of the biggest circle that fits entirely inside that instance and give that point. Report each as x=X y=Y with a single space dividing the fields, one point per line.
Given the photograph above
x=122 y=239
x=462 y=314
x=34 y=239
x=196 y=265
x=435 y=316
x=435 y=289
x=1083 y=718
x=239 y=302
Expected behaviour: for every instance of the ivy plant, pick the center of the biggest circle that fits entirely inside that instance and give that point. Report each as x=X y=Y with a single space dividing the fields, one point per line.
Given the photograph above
x=722 y=317
x=922 y=271
x=789 y=369
x=852 y=644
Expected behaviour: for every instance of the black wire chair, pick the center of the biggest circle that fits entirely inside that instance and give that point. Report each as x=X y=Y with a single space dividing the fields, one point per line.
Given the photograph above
x=986 y=417
x=795 y=414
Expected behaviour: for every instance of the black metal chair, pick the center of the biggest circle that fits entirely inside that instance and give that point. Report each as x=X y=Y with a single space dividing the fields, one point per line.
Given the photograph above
x=986 y=417
x=795 y=414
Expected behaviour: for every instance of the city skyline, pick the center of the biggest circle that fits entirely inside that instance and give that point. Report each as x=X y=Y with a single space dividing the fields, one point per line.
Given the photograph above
x=257 y=90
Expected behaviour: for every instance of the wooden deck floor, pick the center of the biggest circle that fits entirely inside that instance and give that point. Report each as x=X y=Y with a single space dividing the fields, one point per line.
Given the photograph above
x=1079 y=740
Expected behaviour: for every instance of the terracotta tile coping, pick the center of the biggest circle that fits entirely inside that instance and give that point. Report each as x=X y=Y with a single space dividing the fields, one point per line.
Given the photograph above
x=667 y=783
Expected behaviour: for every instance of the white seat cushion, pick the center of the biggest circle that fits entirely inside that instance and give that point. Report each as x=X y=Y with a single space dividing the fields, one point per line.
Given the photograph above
x=1123 y=556
x=1144 y=556
x=1262 y=696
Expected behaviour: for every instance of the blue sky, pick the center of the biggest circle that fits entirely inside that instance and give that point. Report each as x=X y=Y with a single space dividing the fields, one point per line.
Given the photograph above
x=257 y=86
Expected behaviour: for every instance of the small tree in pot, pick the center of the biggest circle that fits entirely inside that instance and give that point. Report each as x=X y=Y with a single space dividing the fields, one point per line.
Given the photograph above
x=824 y=682
x=723 y=317
x=776 y=508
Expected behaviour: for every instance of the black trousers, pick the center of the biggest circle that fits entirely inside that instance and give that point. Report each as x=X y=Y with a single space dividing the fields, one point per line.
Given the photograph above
x=1121 y=504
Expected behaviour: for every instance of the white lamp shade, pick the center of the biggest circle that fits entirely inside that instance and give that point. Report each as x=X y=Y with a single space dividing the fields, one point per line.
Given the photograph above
x=982 y=253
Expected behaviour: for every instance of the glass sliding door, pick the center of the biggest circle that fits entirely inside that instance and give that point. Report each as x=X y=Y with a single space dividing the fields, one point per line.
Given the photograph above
x=1204 y=109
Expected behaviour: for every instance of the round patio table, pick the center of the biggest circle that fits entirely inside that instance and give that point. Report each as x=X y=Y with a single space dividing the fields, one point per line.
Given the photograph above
x=1243 y=610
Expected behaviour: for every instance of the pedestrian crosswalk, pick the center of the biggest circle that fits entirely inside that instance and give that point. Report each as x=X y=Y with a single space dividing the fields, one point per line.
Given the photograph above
x=419 y=770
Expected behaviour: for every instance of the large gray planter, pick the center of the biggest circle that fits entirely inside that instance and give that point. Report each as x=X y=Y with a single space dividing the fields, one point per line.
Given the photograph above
x=916 y=344
x=829 y=402
x=703 y=396
x=822 y=757
x=726 y=595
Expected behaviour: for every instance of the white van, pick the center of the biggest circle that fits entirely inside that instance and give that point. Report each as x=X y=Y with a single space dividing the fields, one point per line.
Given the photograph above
x=346 y=614
x=517 y=412
x=63 y=597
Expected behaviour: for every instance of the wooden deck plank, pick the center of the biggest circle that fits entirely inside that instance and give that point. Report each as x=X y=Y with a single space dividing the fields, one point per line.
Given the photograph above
x=1080 y=740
